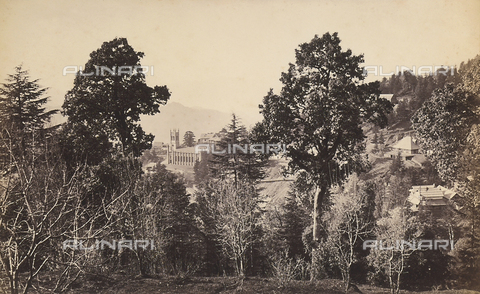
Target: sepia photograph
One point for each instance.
(240, 146)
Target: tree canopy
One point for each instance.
(443, 124)
(189, 139)
(104, 107)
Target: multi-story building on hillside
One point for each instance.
(437, 200)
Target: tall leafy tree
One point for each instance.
(104, 106)
(442, 125)
(319, 113)
(447, 126)
(189, 139)
(469, 248)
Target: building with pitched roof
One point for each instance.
(435, 199)
(210, 138)
(406, 146)
(408, 151)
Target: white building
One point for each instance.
(436, 199)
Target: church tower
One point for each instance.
(175, 139)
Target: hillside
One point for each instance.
(275, 187)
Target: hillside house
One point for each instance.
(435, 199)
(406, 147)
(209, 138)
(408, 151)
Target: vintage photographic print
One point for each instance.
(240, 146)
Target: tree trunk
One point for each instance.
(241, 268)
(317, 212)
(14, 285)
(317, 218)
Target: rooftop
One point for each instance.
(406, 144)
(185, 150)
(431, 195)
(387, 96)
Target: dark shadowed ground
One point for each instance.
(123, 285)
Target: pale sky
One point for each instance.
(226, 55)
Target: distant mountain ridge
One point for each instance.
(177, 116)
